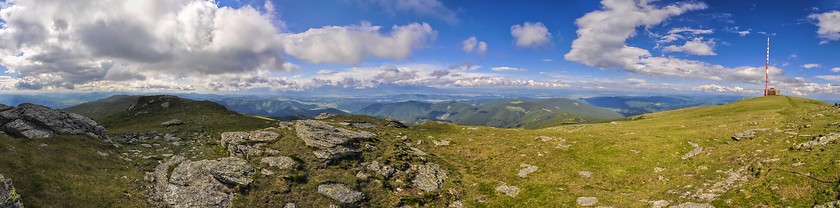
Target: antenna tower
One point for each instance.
(767, 68)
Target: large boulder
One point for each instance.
(340, 193)
(429, 176)
(205, 183)
(36, 121)
(819, 141)
(330, 142)
(9, 197)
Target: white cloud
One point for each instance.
(810, 66)
(725, 89)
(835, 69)
(428, 8)
(508, 69)
(743, 33)
(326, 71)
(696, 46)
(530, 34)
(829, 25)
(351, 44)
(833, 78)
(64, 44)
(548, 60)
(472, 44)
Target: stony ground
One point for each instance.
(766, 152)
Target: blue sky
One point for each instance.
(715, 46)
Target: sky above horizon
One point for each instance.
(715, 47)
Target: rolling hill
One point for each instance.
(281, 109)
(506, 113)
(105, 107)
(635, 105)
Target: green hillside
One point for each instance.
(103, 108)
(505, 113)
(635, 163)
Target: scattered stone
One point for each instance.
(246, 144)
(733, 179)
(635, 151)
(381, 169)
(545, 138)
(103, 154)
(822, 140)
(693, 205)
(362, 175)
(173, 122)
(281, 162)
(340, 193)
(9, 197)
(205, 183)
(323, 116)
(456, 204)
(331, 142)
(585, 174)
(658, 169)
(363, 125)
(747, 134)
(510, 191)
(832, 204)
(290, 205)
(441, 142)
(36, 121)
(526, 169)
(587, 201)
(418, 152)
(696, 151)
(430, 177)
(165, 105)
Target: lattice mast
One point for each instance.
(767, 69)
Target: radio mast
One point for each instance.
(767, 68)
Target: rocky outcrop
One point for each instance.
(526, 169)
(281, 162)
(340, 193)
(693, 205)
(173, 122)
(205, 183)
(510, 191)
(247, 144)
(747, 134)
(694, 152)
(35, 121)
(9, 197)
(330, 142)
(429, 177)
(822, 140)
(381, 169)
(587, 201)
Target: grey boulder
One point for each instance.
(330, 142)
(36, 121)
(340, 193)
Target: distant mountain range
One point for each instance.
(635, 105)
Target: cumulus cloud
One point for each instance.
(508, 69)
(810, 66)
(326, 71)
(65, 43)
(472, 44)
(697, 46)
(427, 8)
(724, 89)
(835, 69)
(530, 34)
(351, 44)
(829, 25)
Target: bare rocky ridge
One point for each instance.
(36, 121)
(9, 197)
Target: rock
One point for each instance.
(173, 122)
(246, 144)
(381, 169)
(205, 183)
(456, 204)
(510, 191)
(290, 205)
(822, 140)
(658, 169)
(747, 134)
(27, 129)
(693, 205)
(281, 162)
(340, 193)
(659, 204)
(585, 174)
(363, 125)
(330, 142)
(323, 116)
(544, 138)
(430, 177)
(5, 107)
(165, 105)
(34, 121)
(833, 204)
(587, 201)
(441, 142)
(526, 169)
(696, 151)
(362, 175)
(9, 197)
